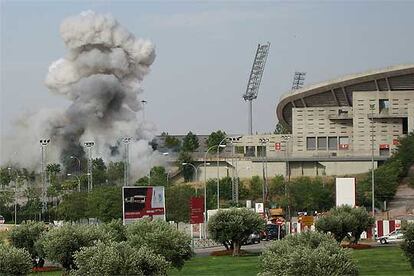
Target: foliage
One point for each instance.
(119, 259)
(190, 142)
(14, 261)
(105, 203)
(177, 200)
(405, 153)
(115, 172)
(281, 129)
(307, 194)
(308, 253)
(256, 188)
(234, 226)
(115, 229)
(99, 172)
(214, 139)
(343, 220)
(59, 244)
(408, 243)
(172, 142)
(188, 171)
(73, 206)
(26, 235)
(158, 178)
(162, 238)
(5, 177)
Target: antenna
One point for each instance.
(298, 80)
(255, 79)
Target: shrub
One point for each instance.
(162, 238)
(14, 261)
(408, 243)
(115, 230)
(59, 244)
(234, 225)
(309, 253)
(26, 235)
(118, 259)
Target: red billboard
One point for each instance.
(196, 210)
(141, 202)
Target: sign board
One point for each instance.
(280, 221)
(197, 210)
(345, 191)
(277, 146)
(307, 220)
(143, 202)
(259, 207)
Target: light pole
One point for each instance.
(372, 108)
(218, 170)
(79, 184)
(43, 144)
(126, 142)
(89, 145)
(287, 173)
(195, 170)
(264, 142)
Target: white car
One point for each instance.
(394, 236)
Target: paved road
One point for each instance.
(252, 248)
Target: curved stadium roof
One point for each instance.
(339, 92)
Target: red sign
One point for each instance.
(141, 202)
(280, 221)
(395, 142)
(384, 146)
(197, 210)
(343, 146)
(277, 146)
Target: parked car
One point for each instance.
(394, 236)
(253, 238)
(271, 232)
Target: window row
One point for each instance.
(327, 143)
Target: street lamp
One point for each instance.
(287, 173)
(264, 142)
(218, 170)
(89, 146)
(43, 144)
(372, 108)
(126, 142)
(144, 102)
(79, 184)
(195, 170)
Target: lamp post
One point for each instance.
(218, 170)
(264, 142)
(15, 194)
(372, 108)
(79, 184)
(126, 142)
(79, 162)
(195, 170)
(43, 145)
(89, 146)
(287, 173)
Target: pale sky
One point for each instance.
(205, 51)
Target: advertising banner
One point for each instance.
(143, 202)
(345, 191)
(197, 210)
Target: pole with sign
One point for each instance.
(279, 223)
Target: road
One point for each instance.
(251, 248)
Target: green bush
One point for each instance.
(14, 261)
(310, 254)
(115, 230)
(408, 243)
(26, 235)
(162, 238)
(118, 259)
(59, 244)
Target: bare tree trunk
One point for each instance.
(236, 248)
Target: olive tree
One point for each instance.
(26, 235)
(162, 238)
(408, 243)
(14, 261)
(115, 258)
(308, 253)
(234, 225)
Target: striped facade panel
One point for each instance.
(405, 82)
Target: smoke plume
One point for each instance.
(101, 75)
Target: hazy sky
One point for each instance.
(205, 51)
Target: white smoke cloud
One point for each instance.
(101, 75)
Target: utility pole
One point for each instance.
(43, 145)
(89, 146)
(126, 142)
(372, 108)
(264, 142)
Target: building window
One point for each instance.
(250, 151)
(405, 125)
(311, 143)
(261, 151)
(239, 149)
(321, 143)
(384, 105)
(343, 142)
(332, 143)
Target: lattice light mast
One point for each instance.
(298, 80)
(89, 146)
(126, 142)
(43, 144)
(255, 79)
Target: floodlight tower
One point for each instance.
(89, 146)
(43, 144)
(255, 79)
(298, 80)
(126, 141)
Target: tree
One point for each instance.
(5, 177)
(308, 253)
(73, 206)
(234, 226)
(105, 203)
(115, 258)
(190, 142)
(408, 243)
(343, 220)
(99, 172)
(172, 143)
(188, 171)
(14, 261)
(26, 235)
(256, 187)
(177, 200)
(215, 138)
(162, 238)
(115, 172)
(281, 129)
